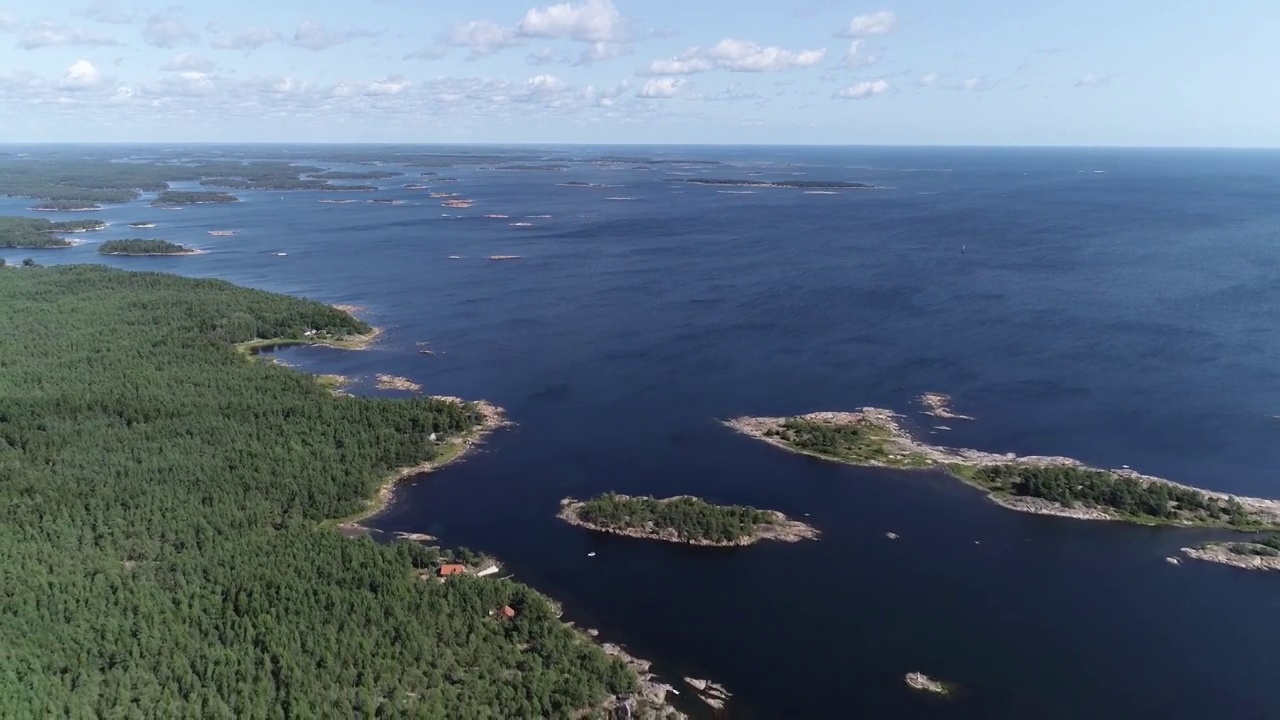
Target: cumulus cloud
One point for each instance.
(661, 88)
(598, 23)
(482, 37)
(49, 34)
(972, 84)
(8, 21)
(247, 40)
(928, 79)
(736, 56)
(876, 23)
(316, 37)
(166, 31)
(544, 84)
(592, 21)
(863, 90)
(189, 62)
(82, 75)
(388, 86)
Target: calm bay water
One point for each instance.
(1114, 306)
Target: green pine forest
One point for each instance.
(693, 519)
(140, 246)
(164, 550)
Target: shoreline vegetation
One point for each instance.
(139, 247)
(170, 484)
(1060, 486)
(682, 519)
(1258, 554)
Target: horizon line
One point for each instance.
(950, 146)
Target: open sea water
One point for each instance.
(1117, 306)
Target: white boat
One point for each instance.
(591, 554)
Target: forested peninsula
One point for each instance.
(138, 246)
(165, 549)
(1035, 484)
(36, 233)
(682, 519)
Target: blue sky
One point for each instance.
(981, 72)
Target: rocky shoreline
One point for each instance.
(1222, 554)
(939, 406)
(781, 529)
(903, 451)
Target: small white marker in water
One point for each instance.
(281, 254)
(591, 554)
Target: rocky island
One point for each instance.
(924, 683)
(799, 184)
(1035, 484)
(682, 519)
(1260, 554)
(141, 247)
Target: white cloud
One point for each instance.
(165, 31)
(600, 51)
(106, 11)
(864, 90)
(316, 37)
(388, 86)
(48, 34)
(972, 84)
(82, 75)
(542, 56)
(736, 56)
(1094, 81)
(430, 52)
(189, 62)
(856, 57)
(876, 23)
(666, 87)
(247, 40)
(929, 79)
(482, 37)
(544, 84)
(8, 21)
(592, 21)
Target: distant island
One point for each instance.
(141, 225)
(802, 184)
(1043, 485)
(38, 233)
(281, 184)
(349, 175)
(138, 246)
(193, 197)
(682, 519)
(1260, 554)
(70, 204)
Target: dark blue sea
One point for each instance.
(1117, 306)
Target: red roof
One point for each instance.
(452, 569)
(508, 611)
